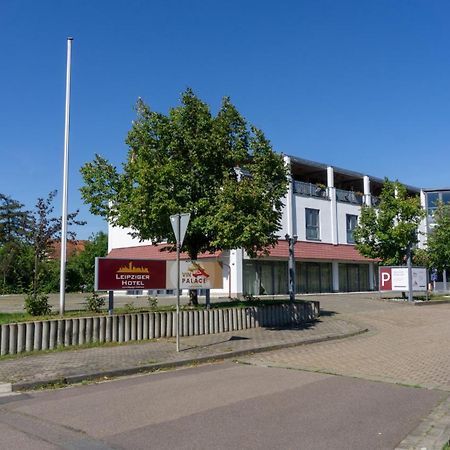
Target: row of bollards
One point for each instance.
(51, 334)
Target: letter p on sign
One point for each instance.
(385, 279)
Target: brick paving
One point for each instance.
(73, 365)
(405, 344)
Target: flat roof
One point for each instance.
(347, 172)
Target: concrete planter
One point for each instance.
(50, 334)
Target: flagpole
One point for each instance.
(62, 279)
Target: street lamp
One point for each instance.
(291, 266)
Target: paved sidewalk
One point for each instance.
(76, 365)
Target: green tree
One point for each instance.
(438, 242)
(14, 221)
(386, 231)
(218, 168)
(45, 229)
(14, 225)
(81, 267)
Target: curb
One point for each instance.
(30, 385)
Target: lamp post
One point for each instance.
(291, 266)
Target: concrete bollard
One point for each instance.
(21, 332)
(185, 324)
(169, 323)
(234, 319)
(121, 326)
(190, 316)
(89, 326)
(215, 324)
(82, 331)
(4, 344)
(174, 324)
(60, 332)
(201, 322)
(163, 325)
(29, 345)
(210, 313)
(220, 320)
(225, 320)
(151, 326)
(139, 331)
(12, 338)
(52, 337)
(238, 318)
(37, 338)
(95, 330)
(75, 331)
(145, 326)
(205, 320)
(108, 329)
(114, 329)
(133, 327)
(195, 322)
(68, 324)
(102, 329)
(157, 325)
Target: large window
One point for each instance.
(353, 277)
(312, 224)
(352, 221)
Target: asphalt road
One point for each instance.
(220, 406)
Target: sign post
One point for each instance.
(179, 225)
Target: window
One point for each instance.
(352, 221)
(312, 224)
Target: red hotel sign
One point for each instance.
(122, 274)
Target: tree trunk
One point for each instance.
(193, 293)
(193, 297)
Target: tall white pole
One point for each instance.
(178, 281)
(62, 280)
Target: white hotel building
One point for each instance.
(321, 208)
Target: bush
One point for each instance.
(95, 303)
(36, 304)
(152, 302)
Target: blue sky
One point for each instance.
(363, 85)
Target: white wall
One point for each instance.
(342, 210)
(301, 203)
(119, 238)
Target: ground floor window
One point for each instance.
(354, 277)
(271, 277)
(265, 277)
(313, 277)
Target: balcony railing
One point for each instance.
(310, 189)
(349, 197)
(375, 200)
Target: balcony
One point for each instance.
(310, 190)
(349, 197)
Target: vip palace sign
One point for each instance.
(195, 275)
(124, 274)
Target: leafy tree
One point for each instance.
(218, 168)
(44, 231)
(438, 242)
(386, 231)
(81, 267)
(14, 223)
(14, 220)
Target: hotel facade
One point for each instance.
(321, 210)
